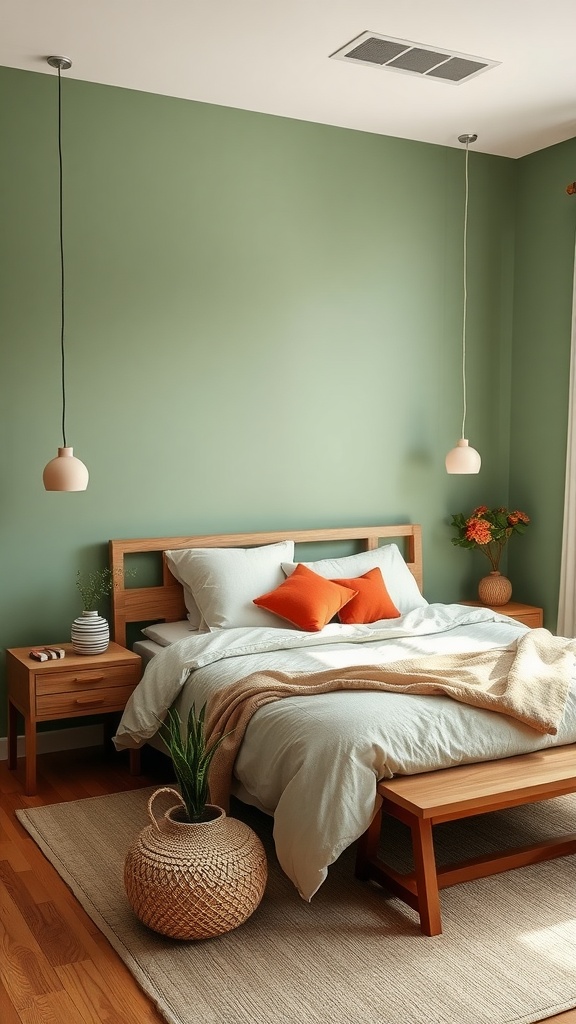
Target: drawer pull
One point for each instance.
(88, 679)
(90, 700)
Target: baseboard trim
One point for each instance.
(59, 739)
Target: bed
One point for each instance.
(314, 761)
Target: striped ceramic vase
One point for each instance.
(90, 634)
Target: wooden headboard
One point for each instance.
(166, 601)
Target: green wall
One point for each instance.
(544, 267)
(546, 228)
(263, 331)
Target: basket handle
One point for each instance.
(163, 789)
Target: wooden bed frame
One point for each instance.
(421, 801)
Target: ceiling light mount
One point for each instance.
(62, 63)
(467, 140)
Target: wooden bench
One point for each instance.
(422, 801)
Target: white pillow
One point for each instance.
(194, 616)
(399, 581)
(224, 581)
(166, 633)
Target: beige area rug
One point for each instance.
(353, 955)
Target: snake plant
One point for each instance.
(191, 758)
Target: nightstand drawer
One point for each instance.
(87, 679)
(83, 702)
(532, 619)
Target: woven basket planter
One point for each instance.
(194, 881)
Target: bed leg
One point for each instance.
(135, 759)
(368, 847)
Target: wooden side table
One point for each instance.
(529, 614)
(71, 687)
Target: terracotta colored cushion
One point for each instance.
(372, 599)
(306, 600)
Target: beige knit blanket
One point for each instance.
(528, 680)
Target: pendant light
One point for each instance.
(463, 458)
(65, 472)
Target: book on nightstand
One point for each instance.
(48, 653)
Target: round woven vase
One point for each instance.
(194, 881)
(494, 589)
(90, 634)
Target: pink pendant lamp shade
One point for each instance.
(463, 458)
(65, 472)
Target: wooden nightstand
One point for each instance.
(529, 614)
(71, 687)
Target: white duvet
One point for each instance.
(313, 761)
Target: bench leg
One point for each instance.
(426, 877)
(422, 893)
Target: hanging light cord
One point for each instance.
(465, 265)
(62, 306)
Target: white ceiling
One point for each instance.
(273, 56)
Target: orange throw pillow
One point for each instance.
(372, 601)
(306, 599)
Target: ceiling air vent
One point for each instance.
(376, 51)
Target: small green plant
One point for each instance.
(191, 758)
(99, 583)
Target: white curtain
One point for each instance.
(567, 600)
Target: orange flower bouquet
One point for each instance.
(488, 530)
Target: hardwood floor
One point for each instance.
(56, 967)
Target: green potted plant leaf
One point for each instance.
(191, 758)
(95, 584)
